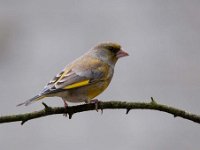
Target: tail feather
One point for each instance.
(35, 98)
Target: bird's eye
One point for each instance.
(114, 50)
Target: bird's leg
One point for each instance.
(65, 105)
(96, 102)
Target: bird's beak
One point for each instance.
(121, 53)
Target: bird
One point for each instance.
(84, 78)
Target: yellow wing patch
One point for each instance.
(75, 85)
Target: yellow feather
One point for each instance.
(75, 85)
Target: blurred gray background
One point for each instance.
(38, 38)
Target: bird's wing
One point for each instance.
(78, 75)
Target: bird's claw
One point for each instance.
(96, 103)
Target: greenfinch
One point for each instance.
(84, 78)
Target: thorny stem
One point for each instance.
(71, 110)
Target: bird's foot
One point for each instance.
(65, 105)
(97, 102)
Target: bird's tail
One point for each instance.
(35, 98)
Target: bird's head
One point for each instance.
(109, 52)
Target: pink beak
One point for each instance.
(121, 53)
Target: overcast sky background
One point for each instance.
(38, 38)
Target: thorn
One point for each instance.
(127, 110)
(153, 101)
(70, 115)
(45, 105)
(22, 123)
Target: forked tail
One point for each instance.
(28, 102)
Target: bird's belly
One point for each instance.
(85, 93)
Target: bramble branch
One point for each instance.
(153, 105)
